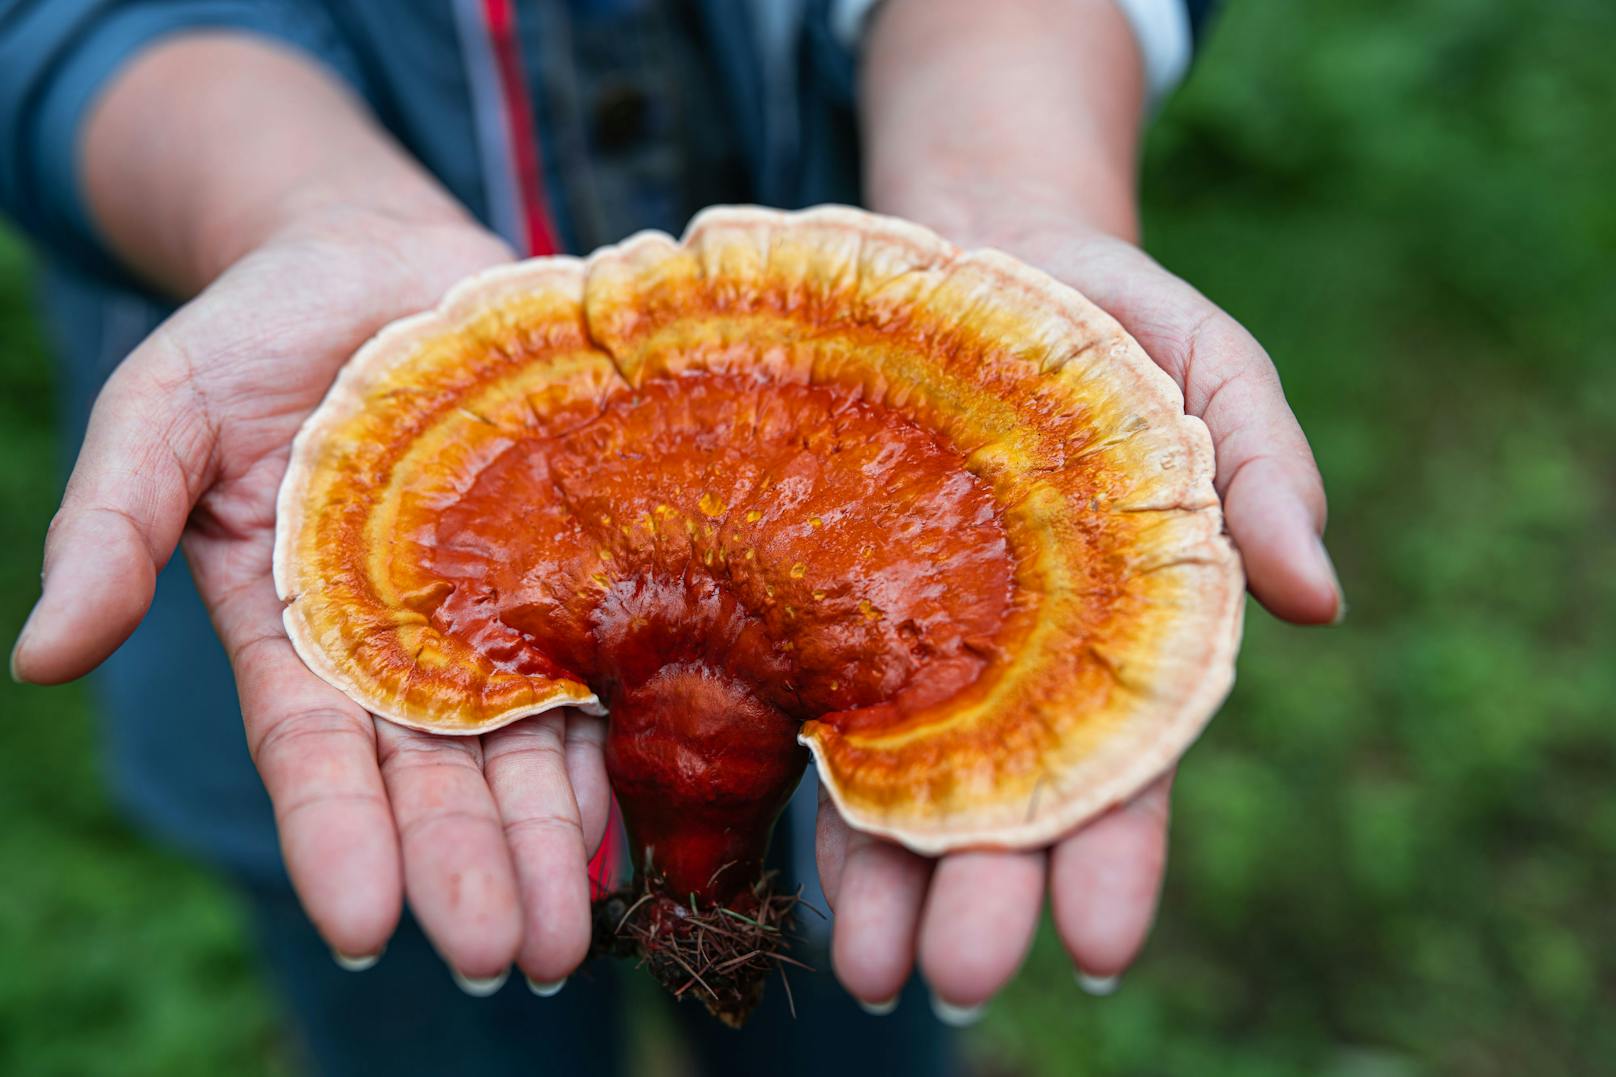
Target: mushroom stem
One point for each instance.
(702, 768)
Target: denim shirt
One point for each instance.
(643, 112)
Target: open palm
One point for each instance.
(968, 918)
(488, 837)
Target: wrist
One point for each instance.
(992, 120)
(1016, 213)
(403, 229)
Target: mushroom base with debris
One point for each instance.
(723, 955)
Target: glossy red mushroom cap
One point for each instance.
(824, 468)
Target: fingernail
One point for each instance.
(480, 988)
(16, 648)
(1335, 581)
(956, 1016)
(1098, 986)
(878, 1009)
(545, 990)
(355, 962)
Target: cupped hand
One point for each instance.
(969, 918)
(489, 836)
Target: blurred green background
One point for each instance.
(1395, 851)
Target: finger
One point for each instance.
(1273, 498)
(527, 771)
(978, 923)
(1105, 879)
(878, 900)
(457, 870)
(316, 753)
(830, 846)
(145, 459)
(586, 773)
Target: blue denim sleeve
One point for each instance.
(55, 58)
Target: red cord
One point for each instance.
(541, 234)
(541, 239)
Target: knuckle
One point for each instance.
(308, 731)
(409, 750)
(540, 757)
(290, 811)
(543, 825)
(420, 827)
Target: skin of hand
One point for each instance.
(298, 243)
(1015, 126)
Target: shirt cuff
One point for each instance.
(847, 19)
(1161, 27)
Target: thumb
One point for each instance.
(143, 464)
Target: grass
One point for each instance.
(1395, 851)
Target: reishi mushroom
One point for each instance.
(800, 482)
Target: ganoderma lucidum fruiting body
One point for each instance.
(811, 482)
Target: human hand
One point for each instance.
(969, 917)
(487, 836)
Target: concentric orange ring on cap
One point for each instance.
(936, 506)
